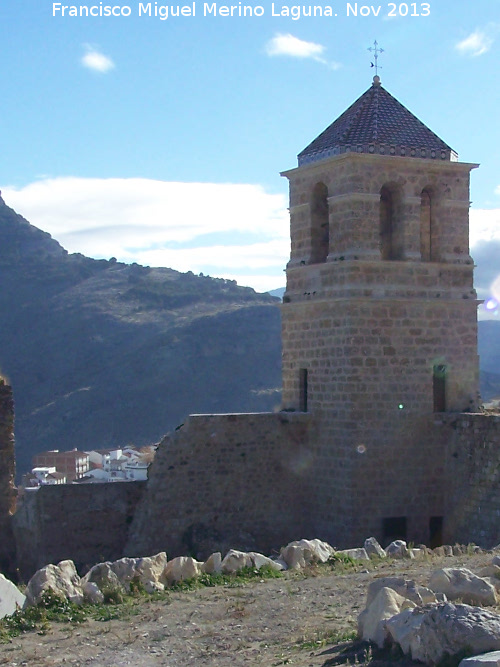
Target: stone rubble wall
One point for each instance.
(472, 480)
(238, 481)
(85, 523)
(7, 471)
(254, 482)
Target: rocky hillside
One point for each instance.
(100, 353)
(489, 359)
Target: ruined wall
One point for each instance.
(242, 481)
(86, 523)
(472, 479)
(7, 470)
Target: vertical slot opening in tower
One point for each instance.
(303, 390)
(439, 387)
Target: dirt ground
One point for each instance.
(300, 620)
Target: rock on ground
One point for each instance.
(433, 632)
(462, 584)
(304, 552)
(485, 660)
(61, 579)
(11, 597)
(386, 604)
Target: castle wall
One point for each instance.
(7, 471)
(87, 523)
(228, 481)
(472, 479)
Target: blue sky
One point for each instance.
(161, 141)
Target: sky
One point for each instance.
(159, 138)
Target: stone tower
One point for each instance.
(379, 317)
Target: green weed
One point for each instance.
(321, 638)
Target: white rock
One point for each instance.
(403, 629)
(259, 561)
(397, 549)
(491, 659)
(125, 570)
(386, 604)
(295, 557)
(407, 588)
(153, 587)
(312, 551)
(213, 563)
(462, 584)
(358, 554)
(62, 579)
(281, 562)
(92, 592)
(449, 629)
(236, 560)
(373, 548)
(102, 575)
(11, 597)
(150, 571)
(181, 568)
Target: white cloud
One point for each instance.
(236, 231)
(484, 225)
(97, 61)
(485, 250)
(477, 43)
(289, 45)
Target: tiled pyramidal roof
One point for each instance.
(377, 123)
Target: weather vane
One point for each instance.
(374, 49)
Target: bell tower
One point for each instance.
(379, 316)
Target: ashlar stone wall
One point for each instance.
(367, 331)
(354, 182)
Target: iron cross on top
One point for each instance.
(376, 51)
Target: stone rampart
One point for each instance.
(7, 470)
(472, 479)
(86, 523)
(239, 481)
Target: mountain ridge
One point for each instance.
(101, 353)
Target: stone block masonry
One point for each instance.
(241, 481)
(472, 479)
(7, 470)
(86, 523)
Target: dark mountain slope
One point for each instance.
(489, 358)
(101, 353)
